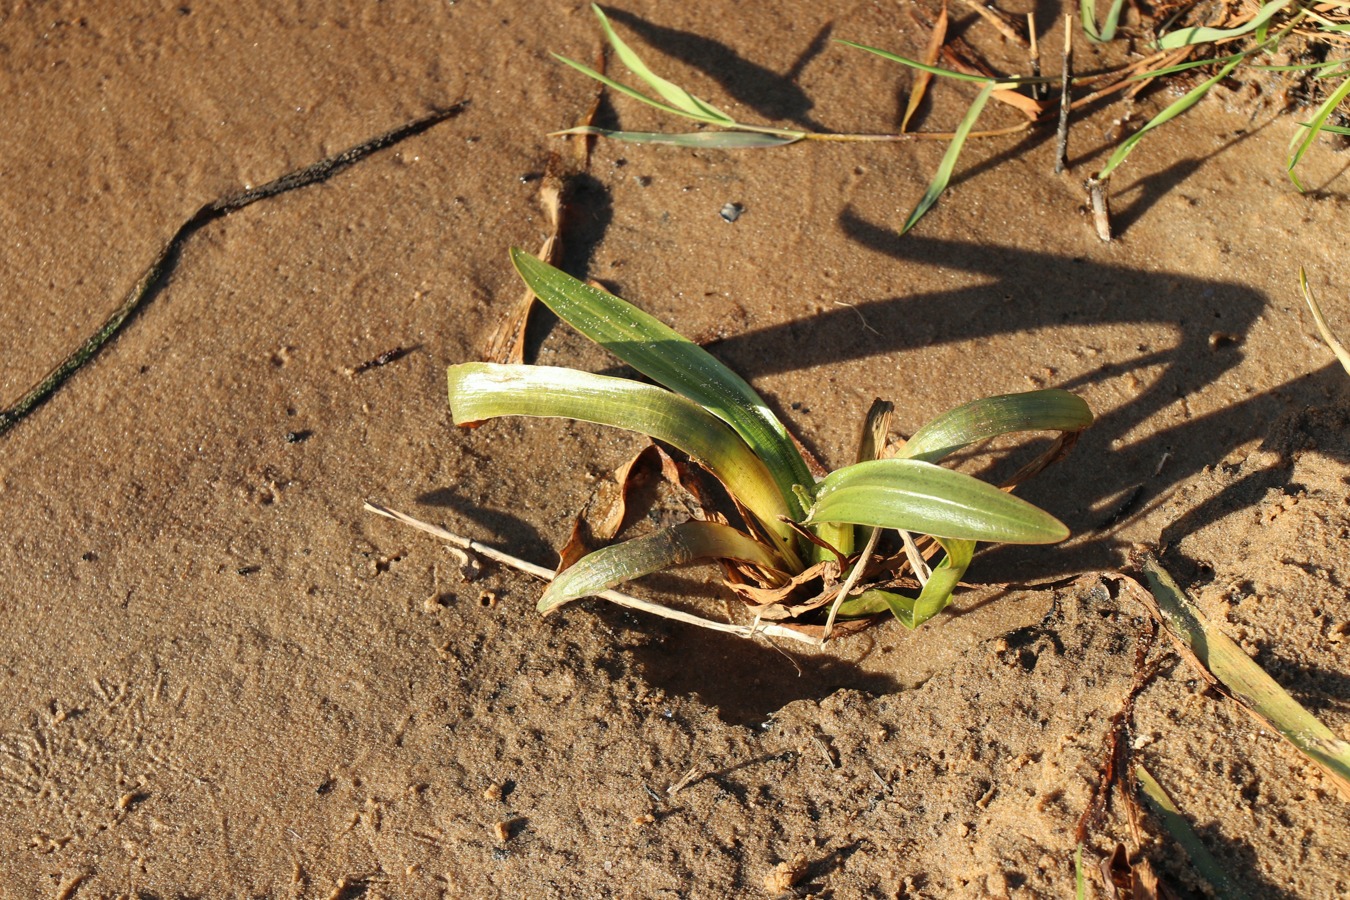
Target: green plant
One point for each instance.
(794, 551)
(728, 134)
(1260, 33)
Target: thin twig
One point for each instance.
(1066, 77)
(544, 574)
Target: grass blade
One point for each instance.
(480, 391)
(1187, 36)
(1190, 99)
(665, 356)
(1315, 126)
(1047, 410)
(1088, 13)
(632, 92)
(609, 567)
(922, 67)
(720, 140)
(1327, 335)
(1215, 653)
(917, 496)
(1205, 863)
(672, 93)
(948, 164)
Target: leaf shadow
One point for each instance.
(1055, 292)
(770, 94)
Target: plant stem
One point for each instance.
(544, 574)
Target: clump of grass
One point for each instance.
(803, 548)
(724, 132)
(1240, 43)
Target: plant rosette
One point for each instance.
(805, 551)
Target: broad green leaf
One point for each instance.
(672, 93)
(948, 164)
(1187, 36)
(668, 358)
(1317, 124)
(1190, 99)
(933, 599)
(1088, 13)
(718, 140)
(611, 566)
(1047, 410)
(916, 496)
(480, 391)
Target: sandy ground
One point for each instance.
(219, 677)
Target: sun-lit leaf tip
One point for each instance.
(1044, 410)
(916, 496)
(683, 102)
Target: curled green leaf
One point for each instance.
(611, 566)
(480, 391)
(1047, 410)
(670, 359)
(916, 496)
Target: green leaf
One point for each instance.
(948, 164)
(668, 358)
(1187, 36)
(718, 140)
(1219, 875)
(933, 599)
(1248, 683)
(1047, 410)
(916, 496)
(672, 93)
(609, 567)
(1190, 99)
(480, 391)
(1317, 125)
(1088, 13)
(1191, 64)
(923, 67)
(632, 92)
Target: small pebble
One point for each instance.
(731, 212)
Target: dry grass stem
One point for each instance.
(545, 574)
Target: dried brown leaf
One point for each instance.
(921, 78)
